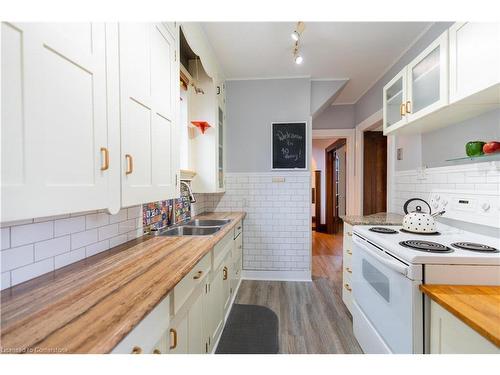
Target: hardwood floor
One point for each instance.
(312, 316)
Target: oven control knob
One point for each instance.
(437, 197)
(444, 202)
(485, 206)
(435, 205)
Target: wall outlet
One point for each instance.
(278, 179)
(399, 154)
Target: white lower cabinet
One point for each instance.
(449, 335)
(347, 267)
(191, 318)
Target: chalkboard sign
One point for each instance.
(289, 145)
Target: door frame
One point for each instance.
(349, 135)
(331, 191)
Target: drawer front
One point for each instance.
(186, 286)
(347, 290)
(222, 248)
(238, 229)
(148, 332)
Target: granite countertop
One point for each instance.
(477, 306)
(380, 218)
(91, 305)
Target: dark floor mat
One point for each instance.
(250, 329)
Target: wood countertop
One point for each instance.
(477, 306)
(91, 305)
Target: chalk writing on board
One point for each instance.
(289, 145)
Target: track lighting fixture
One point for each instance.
(296, 34)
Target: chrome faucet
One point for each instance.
(192, 199)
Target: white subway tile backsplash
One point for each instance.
(85, 238)
(17, 257)
(70, 225)
(107, 231)
(29, 233)
(5, 234)
(31, 271)
(97, 220)
(468, 177)
(97, 248)
(51, 248)
(68, 258)
(43, 244)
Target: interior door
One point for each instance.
(54, 123)
(149, 90)
(374, 172)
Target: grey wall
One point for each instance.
(251, 107)
(335, 117)
(449, 142)
(323, 93)
(412, 152)
(371, 101)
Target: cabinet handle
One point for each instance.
(240, 247)
(349, 252)
(198, 275)
(130, 164)
(224, 272)
(408, 107)
(402, 109)
(105, 158)
(174, 333)
(239, 228)
(136, 350)
(348, 269)
(156, 351)
(348, 287)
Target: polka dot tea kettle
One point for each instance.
(419, 220)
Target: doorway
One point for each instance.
(335, 156)
(374, 172)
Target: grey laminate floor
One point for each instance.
(313, 318)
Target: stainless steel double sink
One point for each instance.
(197, 227)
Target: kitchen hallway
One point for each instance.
(312, 316)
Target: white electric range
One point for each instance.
(390, 313)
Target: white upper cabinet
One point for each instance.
(428, 80)
(474, 59)
(149, 96)
(394, 102)
(457, 77)
(55, 154)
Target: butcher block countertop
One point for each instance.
(91, 305)
(380, 218)
(477, 306)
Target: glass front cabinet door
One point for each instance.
(427, 77)
(394, 102)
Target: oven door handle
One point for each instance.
(394, 265)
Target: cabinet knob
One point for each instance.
(348, 287)
(130, 164)
(349, 234)
(105, 158)
(173, 333)
(348, 269)
(198, 275)
(136, 350)
(156, 351)
(349, 252)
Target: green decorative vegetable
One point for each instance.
(474, 148)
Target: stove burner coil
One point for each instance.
(430, 247)
(383, 230)
(471, 246)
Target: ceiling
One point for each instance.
(360, 51)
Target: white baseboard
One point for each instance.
(303, 275)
